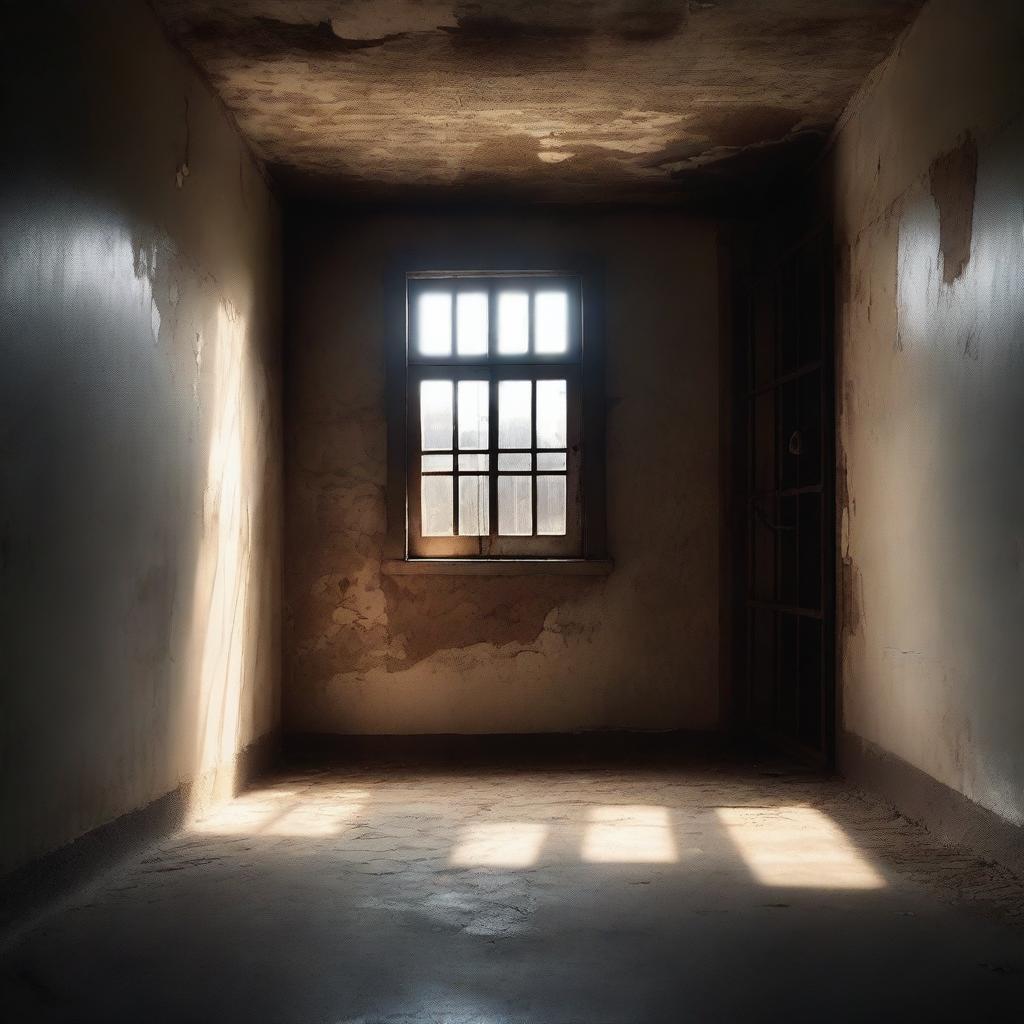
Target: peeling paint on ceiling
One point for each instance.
(547, 99)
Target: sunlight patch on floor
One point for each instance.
(798, 847)
(506, 844)
(283, 812)
(629, 834)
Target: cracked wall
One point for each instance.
(139, 430)
(929, 208)
(367, 653)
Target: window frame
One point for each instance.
(584, 541)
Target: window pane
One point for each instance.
(551, 322)
(513, 323)
(471, 323)
(436, 419)
(434, 320)
(551, 505)
(437, 463)
(515, 462)
(514, 413)
(473, 413)
(550, 414)
(436, 505)
(469, 463)
(515, 511)
(551, 460)
(473, 499)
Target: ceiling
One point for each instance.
(555, 100)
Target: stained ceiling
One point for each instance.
(563, 100)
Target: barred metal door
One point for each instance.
(790, 519)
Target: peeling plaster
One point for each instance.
(930, 374)
(952, 179)
(637, 98)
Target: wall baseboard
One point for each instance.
(530, 750)
(950, 816)
(33, 888)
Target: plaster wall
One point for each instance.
(375, 654)
(928, 172)
(139, 429)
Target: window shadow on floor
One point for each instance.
(562, 895)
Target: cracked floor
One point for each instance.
(714, 893)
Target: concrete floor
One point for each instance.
(712, 894)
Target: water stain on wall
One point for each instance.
(443, 614)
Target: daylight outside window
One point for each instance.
(494, 411)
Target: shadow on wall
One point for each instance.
(138, 530)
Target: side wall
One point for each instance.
(139, 429)
(375, 654)
(928, 174)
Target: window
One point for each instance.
(497, 428)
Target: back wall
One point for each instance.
(638, 649)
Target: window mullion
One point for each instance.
(533, 415)
(492, 424)
(455, 455)
(533, 455)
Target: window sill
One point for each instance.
(496, 566)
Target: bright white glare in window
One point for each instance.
(474, 499)
(434, 316)
(798, 847)
(515, 462)
(471, 323)
(515, 407)
(474, 414)
(551, 414)
(436, 418)
(437, 518)
(513, 323)
(438, 463)
(515, 506)
(504, 844)
(551, 322)
(629, 835)
(551, 460)
(551, 506)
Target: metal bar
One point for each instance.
(785, 492)
(526, 359)
(826, 537)
(455, 457)
(798, 419)
(750, 481)
(785, 378)
(533, 442)
(446, 275)
(527, 451)
(776, 434)
(790, 609)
